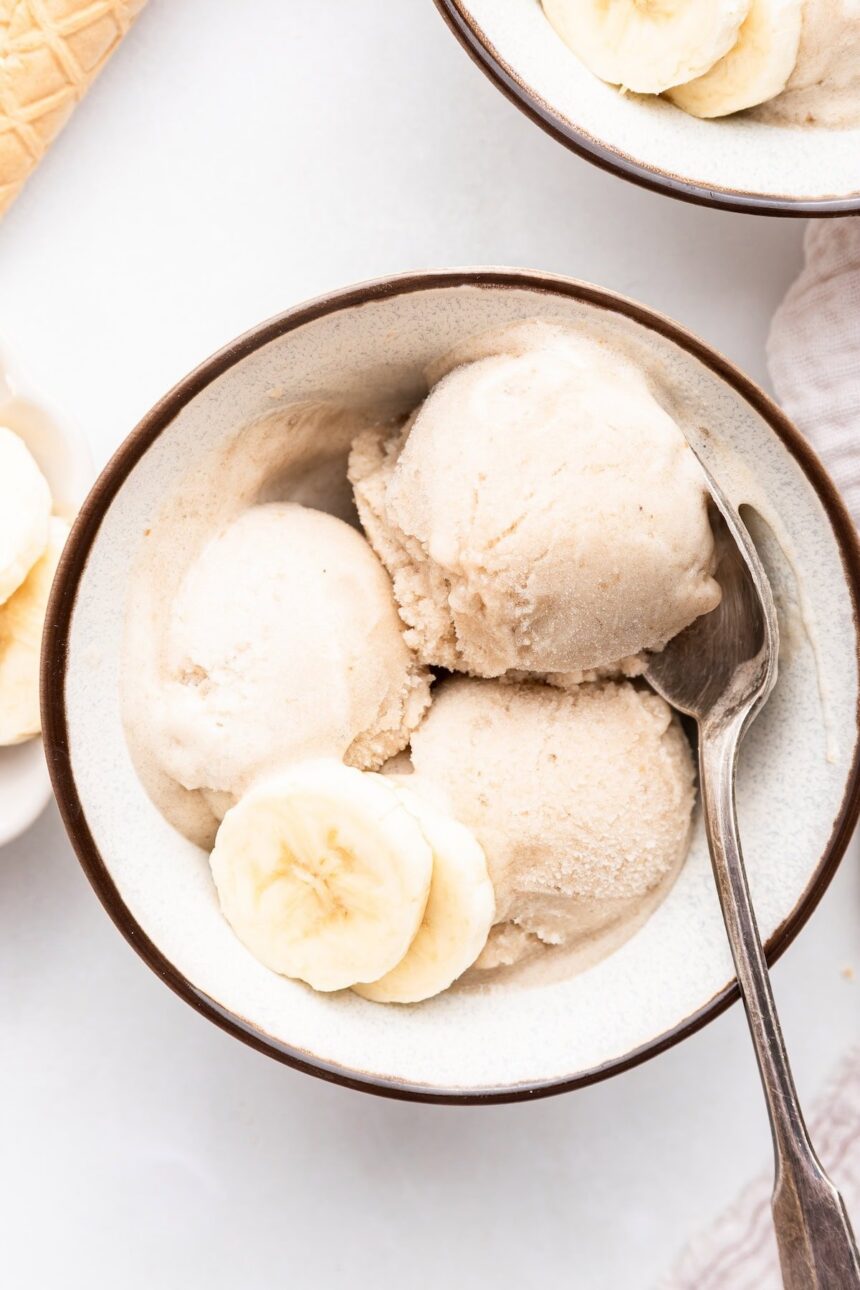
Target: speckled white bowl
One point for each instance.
(64, 459)
(736, 163)
(798, 789)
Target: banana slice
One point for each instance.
(755, 70)
(21, 621)
(323, 874)
(25, 507)
(458, 917)
(648, 45)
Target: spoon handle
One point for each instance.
(817, 1250)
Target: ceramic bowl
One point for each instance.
(737, 163)
(65, 461)
(798, 789)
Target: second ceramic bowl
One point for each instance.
(736, 163)
(370, 347)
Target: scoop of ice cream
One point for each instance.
(283, 643)
(541, 512)
(580, 798)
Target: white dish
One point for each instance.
(64, 459)
(798, 787)
(737, 163)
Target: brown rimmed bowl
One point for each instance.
(369, 346)
(737, 163)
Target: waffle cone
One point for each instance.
(50, 53)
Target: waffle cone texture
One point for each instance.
(50, 53)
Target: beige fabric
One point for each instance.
(50, 52)
(813, 351)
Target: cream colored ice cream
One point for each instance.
(542, 517)
(283, 643)
(541, 511)
(580, 799)
(824, 88)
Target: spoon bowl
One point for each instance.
(725, 660)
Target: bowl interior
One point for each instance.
(733, 158)
(370, 350)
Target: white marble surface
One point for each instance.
(221, 170)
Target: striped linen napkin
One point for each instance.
(813, 351)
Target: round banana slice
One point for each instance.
(25, 507)
(323, 874)
(458, 917)
(648, 45)
(755, 70)
(22, 618)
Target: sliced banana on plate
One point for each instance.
(648, 45)
(22, 618)
(323, 874)
(755, 70)
(458, 917)
(25, 508)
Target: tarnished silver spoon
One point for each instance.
(720, 671)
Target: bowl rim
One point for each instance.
(67, 581)
(523, 96)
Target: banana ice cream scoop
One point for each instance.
(282, 644)
(581, 800)
(541, 512)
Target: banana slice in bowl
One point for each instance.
(324, 874)
(459, 914)
(755, 70)
(648, 45)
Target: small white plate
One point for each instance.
(64, 459)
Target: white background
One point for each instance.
(233, 160)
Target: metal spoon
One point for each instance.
(720, 671)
